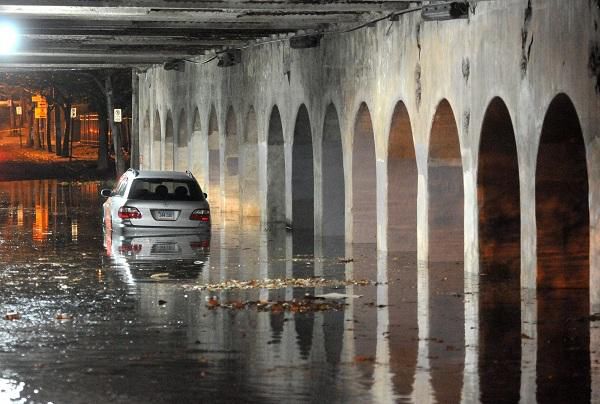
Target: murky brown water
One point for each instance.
(138, 327)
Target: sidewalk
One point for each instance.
(25, 163)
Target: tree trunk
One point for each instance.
(12, 117)
(30, 117)
(115, 129)
(103, 140)
(49, 131)
(37, 140)
(58, 129)
(66, 149)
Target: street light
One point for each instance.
(9, 38)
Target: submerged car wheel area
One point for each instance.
(151, 201)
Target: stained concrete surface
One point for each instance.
(130, 334)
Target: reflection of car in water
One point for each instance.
(158, 257)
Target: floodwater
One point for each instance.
(112, 319)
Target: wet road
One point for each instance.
(96, 319)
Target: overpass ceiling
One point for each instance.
(95, 34)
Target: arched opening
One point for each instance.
(562, 214)
(275, 169)
(500, 256)
(334, 189)
(214, 159)
(302, 176)
(198, 151)
(181, 161)
(446, 273)
(169, 143)
(364, 179)
(232, 183)
(155, 157)
(145, 143)
(249, 179)
(402, 185)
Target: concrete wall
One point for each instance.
(524, 52)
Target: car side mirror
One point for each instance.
(107, 193)
(205, 195)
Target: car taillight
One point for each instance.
(125, 248)
(129, 212)
(200, 214)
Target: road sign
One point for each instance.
(41, 112)
(19, 111)
(36, 98)
(73, 112)
(117, 115)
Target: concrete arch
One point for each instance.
(232, 183)
(182, 141)
(499, 251)
(402, 184)
(364, 183)
(214, 158)
(145, 142)
(563, 248)
(198, 150)
(302, 174)
(276, 205)
(169, 155)
(249, 201)
(446, 246)
(155, 158)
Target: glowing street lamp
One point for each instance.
(9, 38)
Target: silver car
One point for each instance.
(156, 201)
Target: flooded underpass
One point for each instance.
(244, 315)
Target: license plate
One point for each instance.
(165, 248)
(165, 215)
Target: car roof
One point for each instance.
(176, 175)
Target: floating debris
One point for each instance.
(12, 316)
(280, 284)
(64, 317)
(338, 296)
(294, 305)
(161, 275)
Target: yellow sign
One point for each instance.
(42, 104)
(36, 98)
(41, 112)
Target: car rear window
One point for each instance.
(165, 189)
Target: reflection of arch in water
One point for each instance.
(499, 252)
(232, 183)
(364, 181)
(402, 184)
(249, 167)
(562, 215)
(275, 170)
(169, 143)
(446, 278)
(181, 148)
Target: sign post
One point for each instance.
(19, 111)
